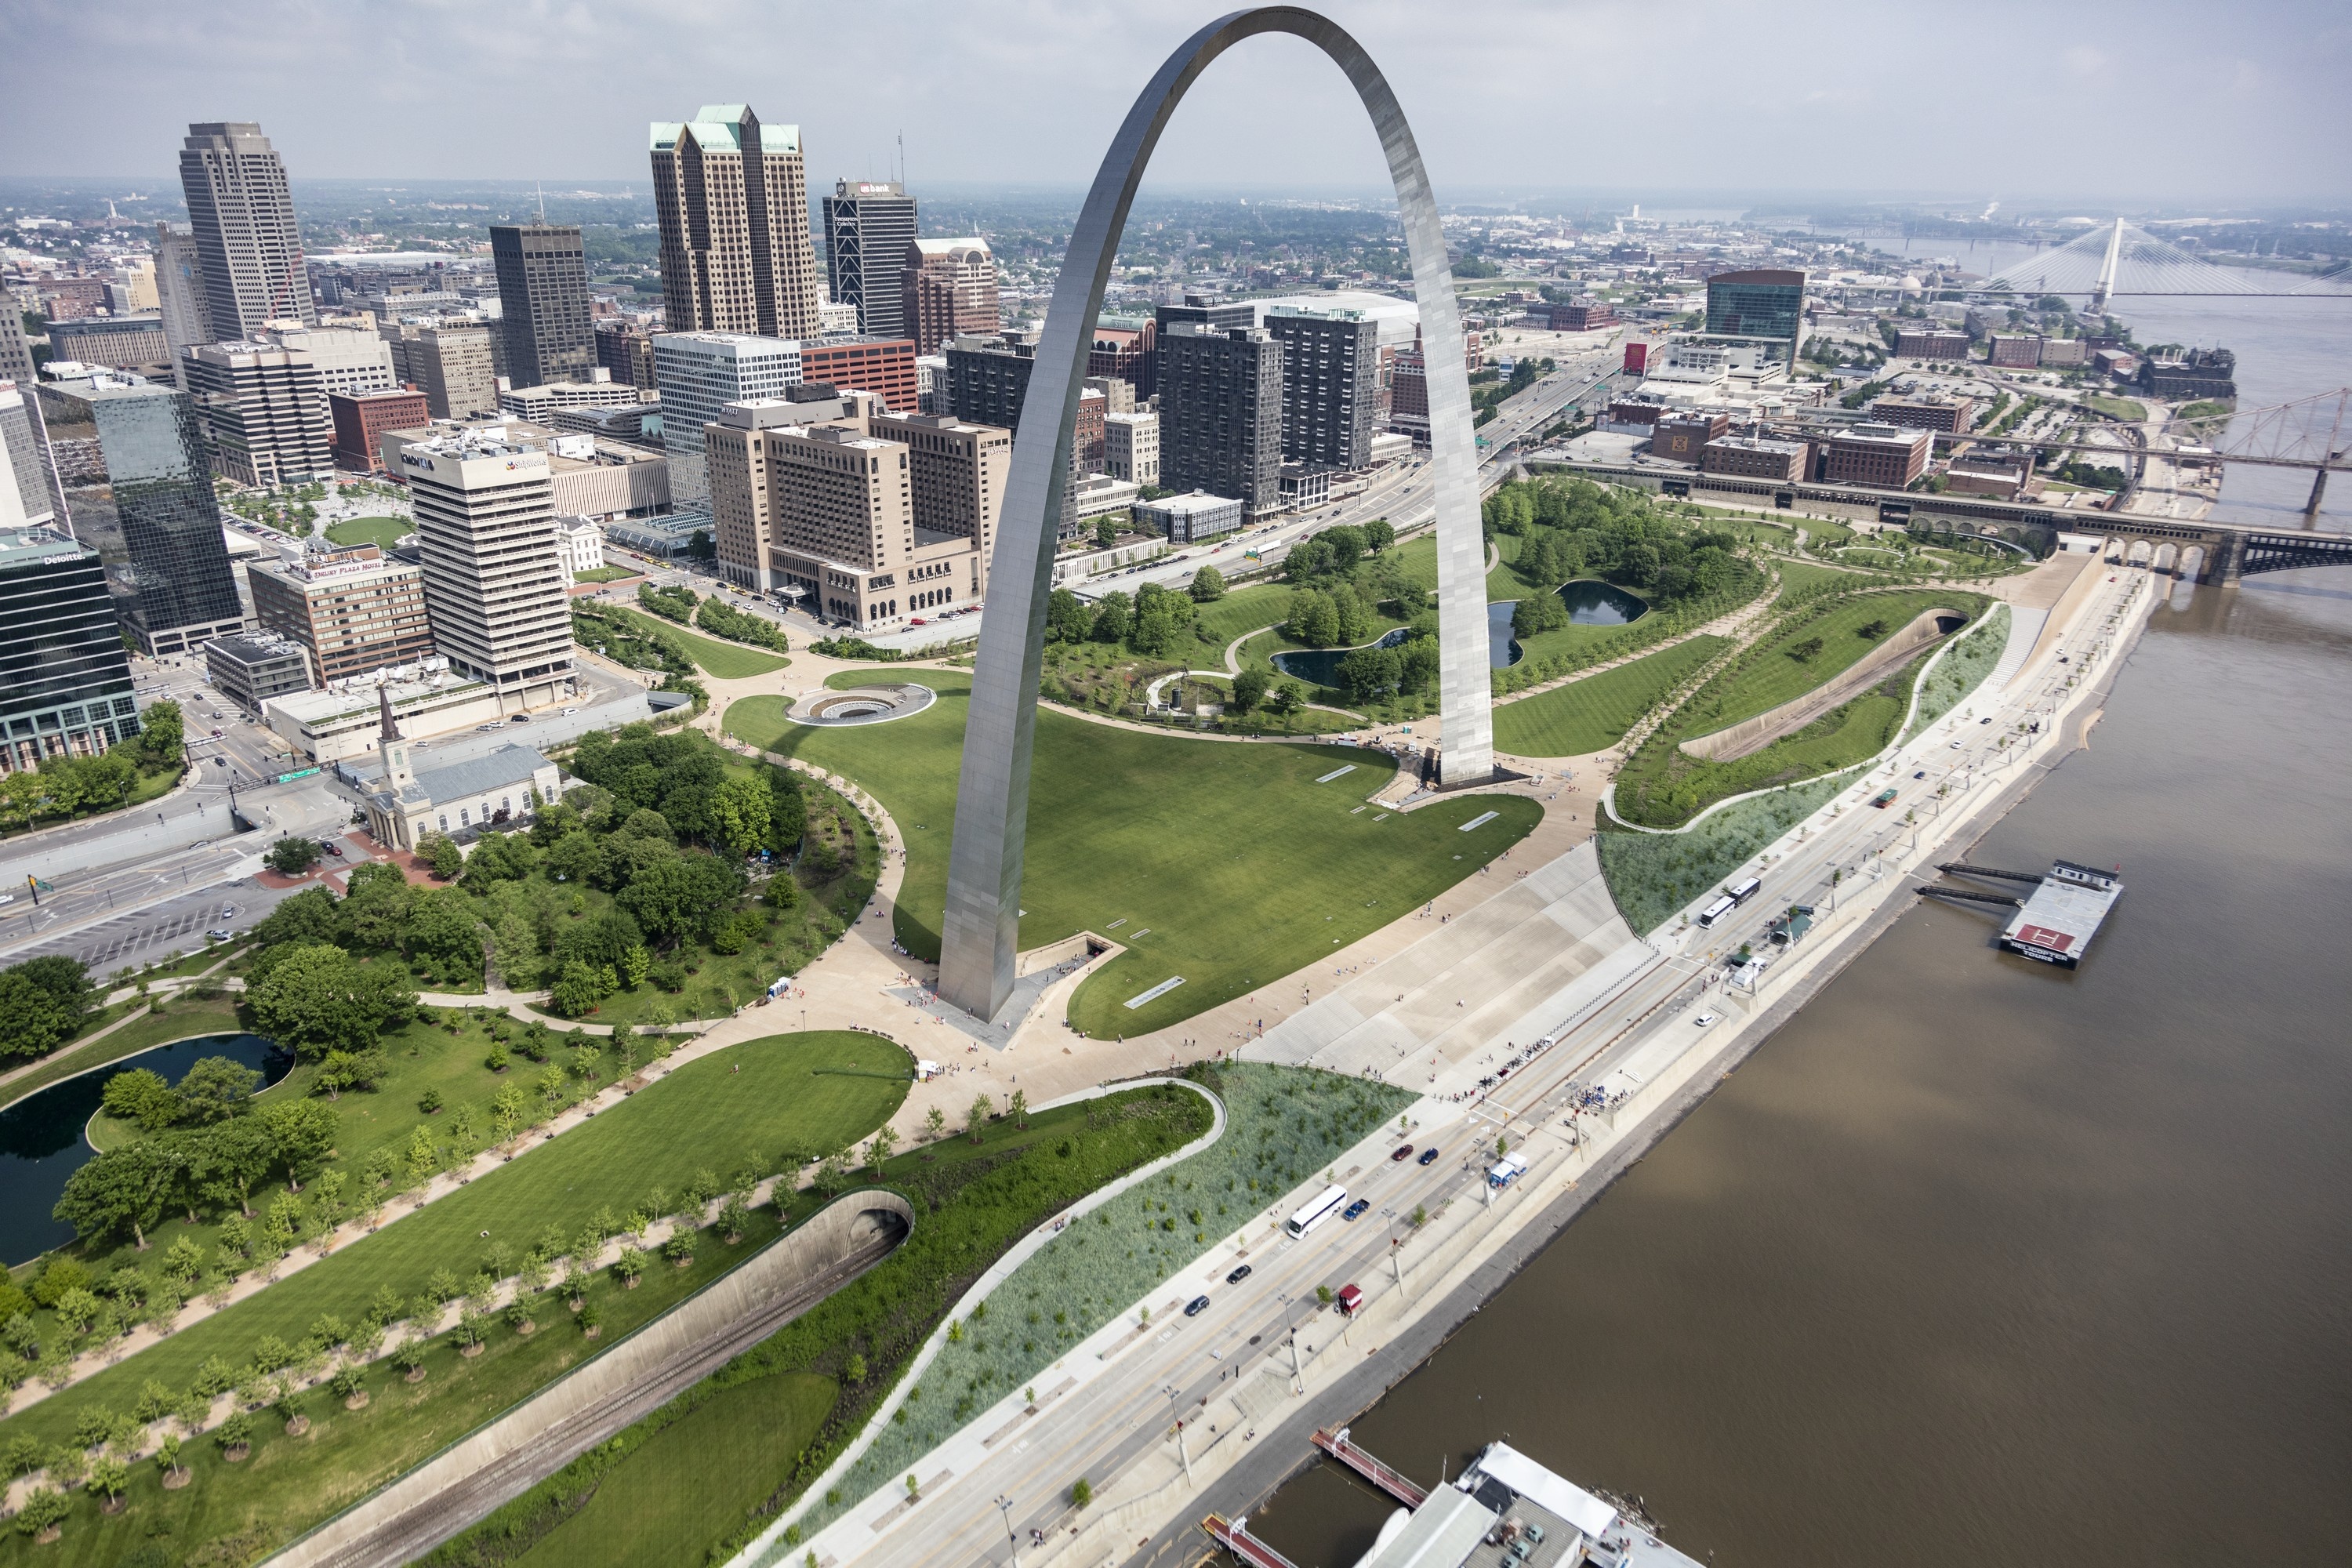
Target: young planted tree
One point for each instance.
(975, 1116)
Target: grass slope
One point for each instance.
(973, 1201)
(1653, 874)
(1588, 715)
(1227, 864)
(697, 1479)
(1770, 676)
(705, 1114)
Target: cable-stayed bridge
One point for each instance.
(2123, 261)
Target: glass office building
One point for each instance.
(176, 589)
(1767, 304)
(64, 683)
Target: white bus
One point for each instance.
(1746, 890)
(1330, 1202)
(1716, 911)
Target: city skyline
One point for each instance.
(1597, 72)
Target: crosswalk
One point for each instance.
(132, 938)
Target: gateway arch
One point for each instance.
(980, 938)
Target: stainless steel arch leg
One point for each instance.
(981, 936)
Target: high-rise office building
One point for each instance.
(543, 302)
(263, 413)
(351, 360)
(946, 289)
(353, 608)
(883, 366)
(1766, 305)
(988, 380)
(175, 589)
(701, 372)
(1330, 381)
(868, 225)
(450, 364)
(732, 199)
(360, 422)
(626, 349)
(24, 483)
(494, 588)
(958, 471)
(250, 252)
(833, 504)
(65, 684)
(180, 294)
(1221, 413)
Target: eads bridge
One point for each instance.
(2222, 551)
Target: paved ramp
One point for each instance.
(1546, 949)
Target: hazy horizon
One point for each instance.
(1608, 101)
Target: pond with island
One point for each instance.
(1590, 603)
(42, 1140)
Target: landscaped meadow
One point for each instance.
(707, 1124)
(1231, 866)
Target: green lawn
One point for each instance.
(1228, 864)
(1588, 715)
(974, 1201)
(1663, 786)
(696, 1479)
(1769, 676)
(2117, 407)
(704, 1115)
(610, 575)
(727, 660)
(378, 530)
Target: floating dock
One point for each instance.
(1505, 1511)
(2055, 922)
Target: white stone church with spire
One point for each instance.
(497, 791)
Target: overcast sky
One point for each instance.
(2141, 101)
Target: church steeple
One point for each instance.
(396, 775)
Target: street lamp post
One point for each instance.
(1004, 1507)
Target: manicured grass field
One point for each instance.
(705, 1115)
(378, 530)
(696, 1479)
(1227, 864)
(1590, 714)
(2117, 407)
(1799, 578)
(1772, 678)
(609, 575)
(727, 660)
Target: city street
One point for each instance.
(1108, 1406)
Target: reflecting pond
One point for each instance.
(41, 1142)
(1320, 666)
(1593, 603)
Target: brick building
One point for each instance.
(1886, 455)
(361, 423)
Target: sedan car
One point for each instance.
(1196, 1305)
(1355, 1210)
(1704, 1020)
(1238, 1275)
(1429, 1156)
(1404, 1151)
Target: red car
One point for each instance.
(1403, 1152)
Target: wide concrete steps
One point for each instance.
(1543, 950)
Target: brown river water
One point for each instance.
(1977, 1261)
